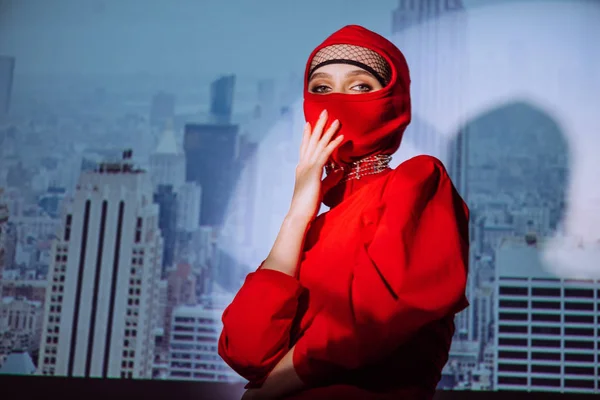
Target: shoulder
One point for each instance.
(423, 180)
(420, 172)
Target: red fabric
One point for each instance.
(381, 277)
(374, 122)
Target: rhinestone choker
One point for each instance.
(366, 166)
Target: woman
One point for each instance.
(358, 302)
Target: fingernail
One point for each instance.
(336, 122)
(323, 113)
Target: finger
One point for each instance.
(316, 133)
(324, 155)
(305, 139)
(326, 138)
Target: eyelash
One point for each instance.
(368, 87)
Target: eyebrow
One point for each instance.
(355, 72)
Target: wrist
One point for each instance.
(296, 220)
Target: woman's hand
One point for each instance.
(281, 381)
(315, 150)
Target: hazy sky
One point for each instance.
(249, 37)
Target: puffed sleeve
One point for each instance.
(256, 325)
(413, 271)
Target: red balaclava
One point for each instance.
(374, 122)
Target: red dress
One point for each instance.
(371, 311)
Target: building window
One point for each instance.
(581, 293)
(579, 344)
(512, 342)
(512, 380)
(545, 369)
(579, 332)
(545, 305)
(518, 355)
(505, 316)
(513, 328)
(545, 343)
(579, 306)
(513, 303)
(545, 382)
(578, 357)
(514, 291)
(579, 383)
(579, 319)
(573, 370)
(545, 330)
(545, 356)
(545, 317)
(512, 367)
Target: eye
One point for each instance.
(362, 87)
(320, 89)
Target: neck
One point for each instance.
(356, 175)
(363, 167)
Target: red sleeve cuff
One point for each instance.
(279, 280)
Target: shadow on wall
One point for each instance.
(515, 169)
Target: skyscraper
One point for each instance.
(221, 98)
(162, 108)
(3, 228)
(211, 152)
(166, 199)
(442, 32)
(167, 163)
(7, 68)
(413, 12)
(193, 346)
(102, 294)
(181, 290)
(189, 199)
(546, 328)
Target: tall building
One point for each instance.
(194, 346)
(102, 297)
(166, 199)
(458, 167)
(442, 31)
(162, 109)
(221, 98)
(20, 325)
(189, 200)
(546, 328)
(464, 321)
(414, 12)
(167, 163)
(3, 233)
(211, 161)
(181, 290)
(167, 167)
(7, 68)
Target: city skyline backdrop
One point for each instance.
(181, 233)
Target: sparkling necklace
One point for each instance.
(366, 166)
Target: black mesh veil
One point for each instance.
(362, 57)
